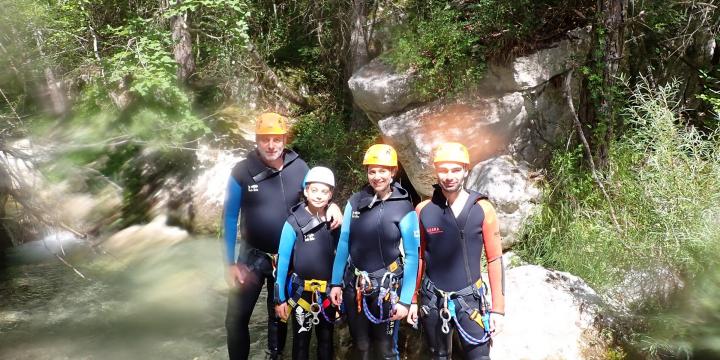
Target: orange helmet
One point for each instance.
(380, 154)
(452, 151)
(270, 123)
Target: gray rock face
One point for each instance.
(549, 315)
(378, 90)
(509, 185)
(518, 112)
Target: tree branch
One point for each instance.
(269, 77)
(588, 153)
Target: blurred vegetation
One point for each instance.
(663, 180)
(448, 44)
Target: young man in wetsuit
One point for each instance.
(455, 226)
(261, 191)
(376, 283)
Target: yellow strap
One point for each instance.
(315, 285)
(476, 317)
(392, 267)
(304, 304)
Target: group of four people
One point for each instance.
(375, 263)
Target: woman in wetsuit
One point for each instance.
(377, 282)
(307, 246)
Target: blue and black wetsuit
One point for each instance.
(451, 250)
(371, 233)
(307, 246)
(265, 196)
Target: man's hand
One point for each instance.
(238, 274)
(334, 215)
(282, 311)
(401, 311)
(497, 323)
(336, 296)
(412, 316)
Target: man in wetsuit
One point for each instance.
(266, 185)
(455, 226)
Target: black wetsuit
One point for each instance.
(452, 248)
(265, 196)
(371, 234)
(307, 246)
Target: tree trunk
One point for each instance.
(613, 19)
(357, 55)
(271, 79)
(182, 48)
(59, 105)
(597, 98)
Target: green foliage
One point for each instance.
(448, 44)
(322, 138)
(663, 179)
(446, 56)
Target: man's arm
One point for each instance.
(231, 213)
(493, 253)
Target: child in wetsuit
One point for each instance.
(304, 268)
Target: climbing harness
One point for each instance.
(385, 282)
(318, 303)
(452, 300)
(260, 257)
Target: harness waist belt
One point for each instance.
(468, 290)
(378, 274)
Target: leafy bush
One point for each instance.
(448, 44)
(663, 180)
(322, 138)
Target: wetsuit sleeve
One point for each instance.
(493, 252)
(410, 231)
(343, 248)
(231, 213)
(421, 252)
(287, 243)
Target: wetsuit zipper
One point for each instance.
(379, 232)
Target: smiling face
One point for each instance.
(451, 176)
(318, 195)
(380, 177)
(270, 147)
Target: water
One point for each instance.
(168, 303)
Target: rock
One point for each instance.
(209, 187)
(484, 124)
(378, 90)
(519, 111)
(512, 191)
(549, 315)
(530, 71)
(640, 287)
(136, 241)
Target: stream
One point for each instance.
(165, 304)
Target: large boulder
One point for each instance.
(519, 110)
(549, 315)
(511, 187)
(379, 90)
